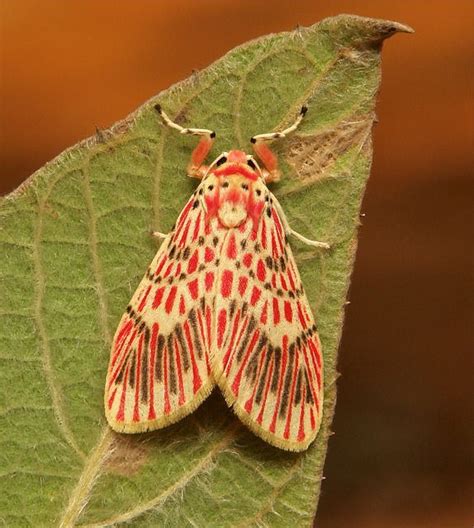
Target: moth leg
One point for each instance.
(307, 241)
(289, 231)
(157, 234)
(195, 169)
(267, 157)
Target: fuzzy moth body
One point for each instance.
(222, 303)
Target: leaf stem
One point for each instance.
(92, 468)
(152, 504)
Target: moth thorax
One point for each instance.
(233, 202)
(232, 214)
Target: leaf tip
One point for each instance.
(387, 28)
(364, 29)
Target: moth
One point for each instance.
(222, 303)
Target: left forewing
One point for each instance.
(159, 369)
(267, 355)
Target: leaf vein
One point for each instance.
(91, 472)
(268, 505)
(180, 484)
(39, 289)
(93, 244)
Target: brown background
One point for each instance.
(402, 454)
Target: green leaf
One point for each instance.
(75, 243)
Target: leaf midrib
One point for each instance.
(203, 463)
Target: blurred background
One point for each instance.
(402, 454)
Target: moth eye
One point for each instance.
(210, 187)
(245, 187)
(221, 160)
(225, 184)
(250, 163)
(259, 192)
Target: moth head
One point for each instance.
(236, 162)
(235, 188)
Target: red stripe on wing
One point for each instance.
(121, 411)
(286, 434)
(138, 367)
(232, 338)
(153, 344)
(197, 382)
(123, 359)
(120, 340)
(166, 394)
(265, 395)
(180, 373)
(301, 433)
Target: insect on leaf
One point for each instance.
(75, 244)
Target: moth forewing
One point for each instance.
(159, 368)
(267, 357)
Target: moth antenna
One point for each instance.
(183, 130)
(276, 135)
(196, 169)
(268, 158)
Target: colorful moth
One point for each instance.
(222, 304)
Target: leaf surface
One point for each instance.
(75, 243)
